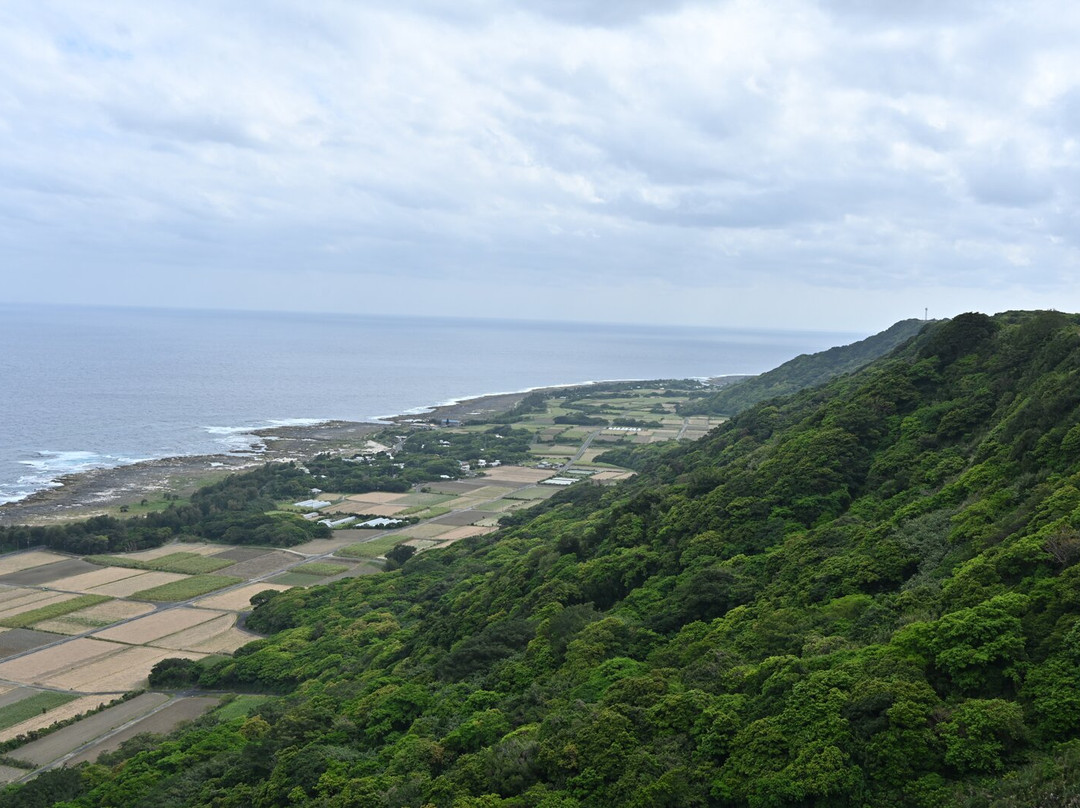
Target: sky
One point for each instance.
(833, 165)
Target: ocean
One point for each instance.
(84, 388)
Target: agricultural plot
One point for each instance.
(187, 588)
(39, 667)
(183, 563)
(466, 532)
(48, 609)
(16, 562)
(127, 587)
(380, 497)
(176, 547)
(33, 703)
(425, 531)
(558, 450)
(47, 573)
(235, 554)
(322, 568)
(373, 508)
(88, 581)
(370, 549)
(218, 635)
(261, 565)
(239, 599)
(153, 627)
(163, 721)
(104, 614)
(20, 640)
(531, 493)
(291, 579)
(68, 739)
(323, 546)
(125, 670)
(426, 500)
(462, 518)
(422, 544)
(81, 704)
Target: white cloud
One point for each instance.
(536, 146)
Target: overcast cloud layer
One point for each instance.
(815, 165)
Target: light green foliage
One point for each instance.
(38, 703)
(182, 563)
(187, 588)
(52, 611)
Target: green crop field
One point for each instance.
(39, 703)
(52, 611)
(182, 563)
(296, 579)
(186, 589)
(371, 549)
(322, 568)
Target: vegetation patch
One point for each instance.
(296, 579)
(322, 568)
(52, 611)
(186, 589)
(371, 549)
(182, 563)
(36, 704)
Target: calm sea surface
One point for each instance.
(83, 388)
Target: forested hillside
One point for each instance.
(863, 595)
(806, 370)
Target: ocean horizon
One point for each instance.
(99, 387)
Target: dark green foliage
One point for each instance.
(802, 372)
(866, 594)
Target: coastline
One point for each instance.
(103, 491)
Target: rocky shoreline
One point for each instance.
(104, 491)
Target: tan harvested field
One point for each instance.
(9, 774)
(209, 633)
(17, 562)
(237, 600)
(464, 533)
(178, 547)
(35, 601)
(516, 474)
(490, 521)
(377, 509)
(161, 722)
(40, 666)
(70, 738)
(195, 632)
(590, 455)
(158, 625)
(100, 615)
(137, 583)
(611, 476)
(382, 497)
(124, 670)
(428, 531)
(61, 713)
(88, 580)
(226, 642)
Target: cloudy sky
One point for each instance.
(834, 165)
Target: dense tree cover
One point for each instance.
(863, 595)
(233, 510)
(806, 370)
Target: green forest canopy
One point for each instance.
(866, 594)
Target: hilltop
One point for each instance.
(862, 594)
(805, 370)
